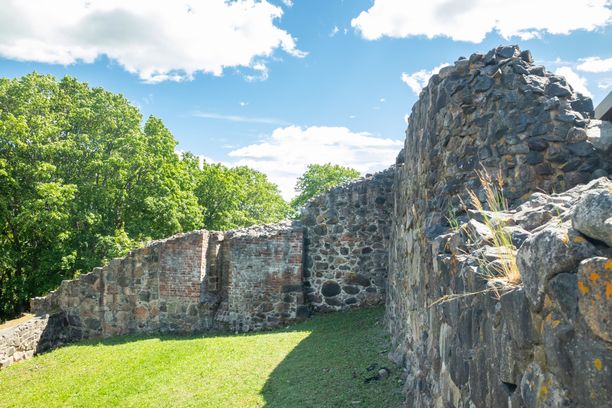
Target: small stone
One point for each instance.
(552, 250)
(383, 373)
(599, 133)
(556, 89)
(534, 158)
(544, 169)
(483, 83)
(575, 135)
(537, 145)
(538, 71)
(582, 104)
(330, 288)
(351, 290)
(582, 148)
(332, 301)
(527, 57)
(592, 215)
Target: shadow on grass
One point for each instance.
(328, 367)
(337, 365)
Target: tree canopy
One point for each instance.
(237, 197)
(83, 180)
(319, 178)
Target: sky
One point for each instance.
(279, 84)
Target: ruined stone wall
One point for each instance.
(155, 288)
(347, 233)
(264, 268)
(34, 335)
(501, 112)
(240, 280)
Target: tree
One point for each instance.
(319, 178)
(81, 181)
(238, 197)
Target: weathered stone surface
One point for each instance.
(240, 280)
(550, 251)
(350, 249)
(34, 335)
(595, 295)
(540, 389)
(599, 133)
(477, 350)
(593, 214)
(330, 288)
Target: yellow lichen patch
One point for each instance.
(608, 290)
(543, 393)
(608, 265)
(552, 322)
(583, 288)
(598, 364)
(565, 238)
(579, 240)
(594, 277)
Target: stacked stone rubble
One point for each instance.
(502, 113)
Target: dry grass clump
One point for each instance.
(501, 274)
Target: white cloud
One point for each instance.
(604, 84)
(284, 155)
(243, 104)
(382, 100)
(595, 64)
(334, 31)
(160, 40)
(576, 81)
(288, 3)
(260, 73)
(418, 80)
(238, 118)
(471, 20)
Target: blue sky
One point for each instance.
(279, 84)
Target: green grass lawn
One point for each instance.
(322, 362)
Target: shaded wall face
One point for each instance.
(265, 272)
(347, 235)
(500, 112)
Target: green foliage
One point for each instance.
(238, 197)
(80, 182)
(319, 178)
(322, 362)
(83, 181)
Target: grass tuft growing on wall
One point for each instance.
(502, 274)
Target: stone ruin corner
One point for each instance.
(387, 239)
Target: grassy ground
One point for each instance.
(322, 362)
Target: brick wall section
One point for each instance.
(182, 266)
(263, 266)
(347, 235)
(138, 293)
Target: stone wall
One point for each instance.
(34, 335)
(347, 232)
(155, 288)
(264, 270)
(499, 112)
(240, 280)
